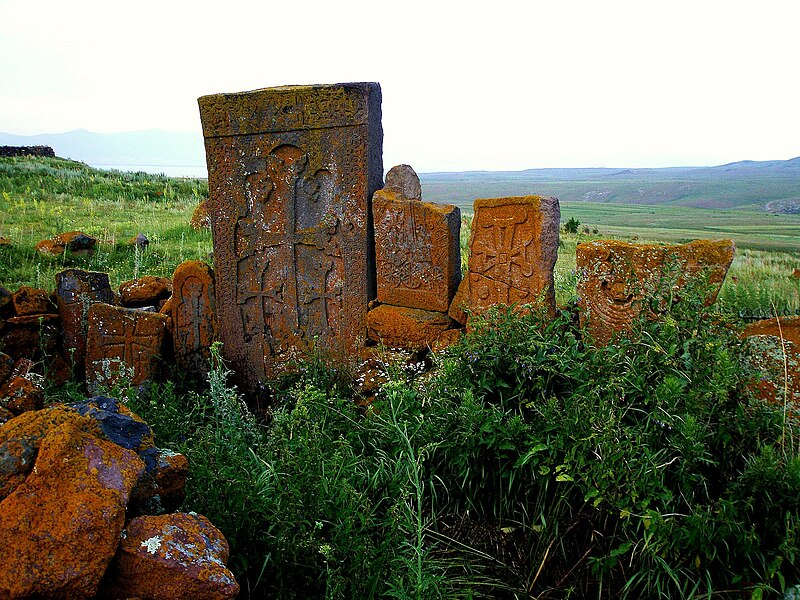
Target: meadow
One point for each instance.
(521, 463)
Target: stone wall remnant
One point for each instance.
(619, 281)
(291, 171)
(514, 247)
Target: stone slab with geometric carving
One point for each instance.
(513, 250)
(417, 252)
(291, 171)
(619, 281)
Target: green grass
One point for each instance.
(41, 197)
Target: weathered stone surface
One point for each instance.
(161, 488)
(460, 303)
(447, 338)
(796, 274)
(19, 395)
(29, 338)
(5, 242)
(403, 181)
(513, 249)
(417, 252)
(408, 328)
(200, 217)
(171, 557)
(291, 172)
(139, 240)
(5, 302)
(123, 337)
(76, 291)
(145, 291)
(619, 281)
(5, 416)
(772, 358)
(76, 242)
(59, 528)
(192, 310)
(21, 436)
(6, 367)
(117, 422)
(31, 301)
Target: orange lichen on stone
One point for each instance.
(161, 489)
(123, 337)
(171, 557)
(59, 529)
(513, 249)
(145, 291)
(772, 350)
(76, 291)
(459, 306)
(408, 328)
(417, 252)
(200, 217)
(19, 395)
(192, 316)
(619, 282)
(76, 242)
(291, 171)
(20, 438)
(29, 301)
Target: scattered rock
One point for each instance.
(408, 328)
(6, 367)
(139, 240)
(171, 557)
(59, 529)
(200, 217)
(161, 488)
(76, 242)
(117, 422)
(145, 291)
(796, 274)
(19, 395)
(5, 243)
(32, 301)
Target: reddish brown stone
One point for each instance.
(408, 328)
(417, 252)
(772, 351)
(20, 439)
(59, 529)
(5, 417)
(161, 488)
(619, 281)
(76, 291)
(50, 247)
(291, 172)
(123, 337)
(140, 240)
(200, 217)
(5, 303)
(6, 367)
(447, 338)
(171, 557)
(76, 242)
(145, 291)
(32, 338)
(513, 249)
(5, 242)
(796, 274)
(459, 306)
(19, 395)
(193, 316)
(31, 301)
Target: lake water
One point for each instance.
(170, 170)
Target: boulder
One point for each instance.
(145, 291)
(407, 328)
(32, 301)
(170, 557)
(161, 488)
(76, 242)
(19, 395)
(60, 528)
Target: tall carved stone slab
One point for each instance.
(619, 281)
(291, 171)
(76, 291)
(193, 316)
(513, 250)
(417, 251)
(772, 359)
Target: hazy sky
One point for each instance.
(466, 85)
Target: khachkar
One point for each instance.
(291, 171)
(513, 250)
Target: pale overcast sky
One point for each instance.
(487, 85)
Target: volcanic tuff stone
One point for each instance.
(171, 557)
(31, 301)
(76, 291)
(403, 181)
(772, 350)
(193, 316)
(291, 171)
(408, 328)
(619, 281)
(145, 291)
(513, 249)
(417, 252)
(59, 529)
(123, 337)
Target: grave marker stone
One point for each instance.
(291, 171)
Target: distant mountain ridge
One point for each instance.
(772, 185)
